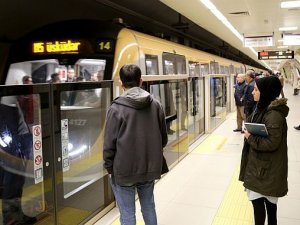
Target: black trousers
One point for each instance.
(260, 206)
(11, 194)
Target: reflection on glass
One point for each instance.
(165, 93)
(151, 64)
(51, 71)
(196, 107)
(181, 65)
(83, 117)
(194, 69)
(22, 197)
(218, 100)
(173, 97)
(204, 69)
(169, 67)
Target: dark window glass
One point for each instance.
(151, 64)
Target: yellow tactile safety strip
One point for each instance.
(235, 208)
(210, 144)
(67, 216)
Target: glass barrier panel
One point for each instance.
(26, 164)
(85, 188)
(165, 93)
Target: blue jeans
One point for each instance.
(125, 197)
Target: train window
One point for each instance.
(238, 70)
(204, 69)
(51, 71)
(180, 64)
(214, 67)
(91, 69)
(151, 64)
(231, 69)
(226, 70)
(222, 69)
(173, 63)
(194, 69)
(168, 63)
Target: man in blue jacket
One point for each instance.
(239, 95)
(249, 102)
(134, 138)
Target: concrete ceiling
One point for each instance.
(261, 18)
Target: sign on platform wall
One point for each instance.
(291, 39)
(260, 41)
(266, 55)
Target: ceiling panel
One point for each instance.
(265, 17)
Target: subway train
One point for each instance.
(65, 182)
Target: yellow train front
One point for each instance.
(74, 67)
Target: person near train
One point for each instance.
(264, 161)
(134, 138)
(239, 95)
(248, 99)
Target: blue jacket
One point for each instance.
(239, 93)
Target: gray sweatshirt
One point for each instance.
(135, 135)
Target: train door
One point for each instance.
(82, 188)
(195, 102)
(218, 100)
(171, 94)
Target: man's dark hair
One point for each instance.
(130, 75)
(25, 79)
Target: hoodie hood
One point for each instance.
(280, 105)
(269, 88)
(135, 97)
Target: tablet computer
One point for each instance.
(257, 129)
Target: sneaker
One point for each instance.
(237, 130)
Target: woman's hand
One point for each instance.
(246, 134)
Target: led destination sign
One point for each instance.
(73, 47)
(265, 55)
(56, 47)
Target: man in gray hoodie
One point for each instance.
(134, 138)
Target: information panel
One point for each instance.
(265, 55)
(262, 41)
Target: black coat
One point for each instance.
(249, 102)
(264, 163)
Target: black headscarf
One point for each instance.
(269, 88)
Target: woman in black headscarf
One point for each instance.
(264, 163)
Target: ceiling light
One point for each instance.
(290, 4)
(222, 18)
(282, 46)
(287, 28)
